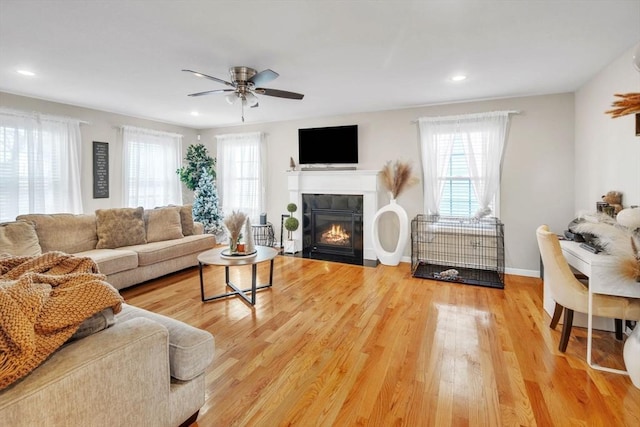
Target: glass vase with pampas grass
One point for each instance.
(234, 223)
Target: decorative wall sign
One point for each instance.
(100, 170)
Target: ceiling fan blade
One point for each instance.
(211, 91)
(215, 79)
(279, 93)
(263, 77)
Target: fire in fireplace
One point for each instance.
(332, 227)
(336, 235)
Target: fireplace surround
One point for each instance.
(362, 183)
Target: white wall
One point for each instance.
(102, 126)
(537, 180)
(607, 150)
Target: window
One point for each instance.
(461, 160)
(241, 160)
(458, 196)
(39, 164)
(151, 159)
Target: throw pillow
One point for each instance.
(186, 218)
(120, 227)
(19, 238)
(163, 224)
(96, 323)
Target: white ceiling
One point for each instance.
(345, 56)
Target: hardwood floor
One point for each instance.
(339, 345)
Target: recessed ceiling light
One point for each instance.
(458, 78)
(26, 73)
(195, 113)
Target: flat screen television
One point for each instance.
(328, 145)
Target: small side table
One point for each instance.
(263, 234)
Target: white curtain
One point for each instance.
(436, 142)
(39, 164)
(241, 174)
(150, 161)
(483, 137)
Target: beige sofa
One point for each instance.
(145, 370)
(130, 245)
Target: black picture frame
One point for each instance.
(100, 170)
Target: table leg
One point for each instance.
(236, 291)
(254, 269)
(590, 339)
(201, 284)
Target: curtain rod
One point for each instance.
(467, 115)
(39, 115)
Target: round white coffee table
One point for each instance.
(215, 257)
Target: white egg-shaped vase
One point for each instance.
(386, 257)
(631, 355)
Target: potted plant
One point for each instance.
(291, 224)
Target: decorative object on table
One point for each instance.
(292, 164)
(234, 223)
(629, 103)
(205, 204)
(249, 245)
(631, 354)
(396, 178)
(618, 240)
(197, 161)
(630, 218)
(613, 199)
(291, 224)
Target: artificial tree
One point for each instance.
(291, 224)
(197, 160)
(205, 204)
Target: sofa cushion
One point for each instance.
(156, 252)
(64, 232)
(120, 227)
(163, 224)
(19, 238)
(191, 349)
(111, 261)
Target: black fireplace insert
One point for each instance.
(332, 227)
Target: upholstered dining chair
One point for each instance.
(571, 295)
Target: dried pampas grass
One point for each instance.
(617, 241)
(629, 104)
(397, 177)
(234, 223)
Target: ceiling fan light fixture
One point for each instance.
(251, 99)
(231, 98)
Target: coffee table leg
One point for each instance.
(201, 284)
(271, 273)
(254, 269)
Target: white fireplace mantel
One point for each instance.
(352, 182)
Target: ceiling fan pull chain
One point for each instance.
(242, 106)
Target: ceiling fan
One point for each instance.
(245, 84)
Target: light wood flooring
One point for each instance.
(339, 345)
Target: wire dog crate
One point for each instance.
(463, 250)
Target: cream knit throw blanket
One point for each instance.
(43, 301)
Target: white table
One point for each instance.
(603, 279)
